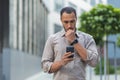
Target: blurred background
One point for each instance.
(25, 26)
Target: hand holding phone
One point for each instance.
(70, 49)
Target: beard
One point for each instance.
(70, 29)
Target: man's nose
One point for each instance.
(69, 25)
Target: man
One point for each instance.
(56, 60)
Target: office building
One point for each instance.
(23, 32)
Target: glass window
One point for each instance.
(100, 1)
(72, 5)
(92, 2)
(58, 5)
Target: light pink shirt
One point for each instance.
(75, 70)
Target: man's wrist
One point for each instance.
(62, 62)
(74, 42)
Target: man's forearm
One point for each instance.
(81, 51)
(56, 66)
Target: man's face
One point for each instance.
(69, 21)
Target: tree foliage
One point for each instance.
(118, 41)
(101, 20)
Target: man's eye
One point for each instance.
(66, 22)
(72, 21)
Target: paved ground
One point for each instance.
(90, 76)
(41, 76)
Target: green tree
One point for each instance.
(100, 21)
(118, 41)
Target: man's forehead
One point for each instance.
(65, 13)
(68, 16)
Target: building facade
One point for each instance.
(113, 50)
(23, 32)
(55, 6)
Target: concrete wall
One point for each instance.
(18, 65)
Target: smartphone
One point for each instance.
(70, 49)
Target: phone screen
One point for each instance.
(70, 49)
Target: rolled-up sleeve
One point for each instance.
(48, 55)
(92, 53)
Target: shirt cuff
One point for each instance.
(47, 66)
(92, 58)
(89, 55)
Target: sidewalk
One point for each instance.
(41, 76)
(89, 76)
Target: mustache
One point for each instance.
(70, 28)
